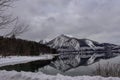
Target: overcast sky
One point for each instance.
(98, 20)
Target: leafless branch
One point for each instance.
(18, 29)
(5, 4)
(5, 19)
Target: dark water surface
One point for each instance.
(31, 66)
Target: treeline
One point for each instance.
(12, 46)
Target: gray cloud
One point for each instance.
(94, 19)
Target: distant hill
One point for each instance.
(10, 46)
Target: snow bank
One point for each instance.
(11, 60)
(13, 75)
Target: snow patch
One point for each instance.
(90, 43)
(12, 60)
(13, 75)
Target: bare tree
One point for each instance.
(18, 29)
(5, 19)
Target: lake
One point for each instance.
(71, 66)
(48, 67)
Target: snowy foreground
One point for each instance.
(13, 75)
(12, 60)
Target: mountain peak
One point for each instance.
(64, 36)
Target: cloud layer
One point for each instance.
(94, 19)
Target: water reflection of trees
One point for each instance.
(32, 66)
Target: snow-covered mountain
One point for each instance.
(75, 52)
(72, 43)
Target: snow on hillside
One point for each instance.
(13, 75)
(59, 41)
(90, 43)
(11, 60)
(71, 42)
(64, 40)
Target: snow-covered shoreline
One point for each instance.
(13, 75)
(12, 60)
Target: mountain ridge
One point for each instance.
(75, 43)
